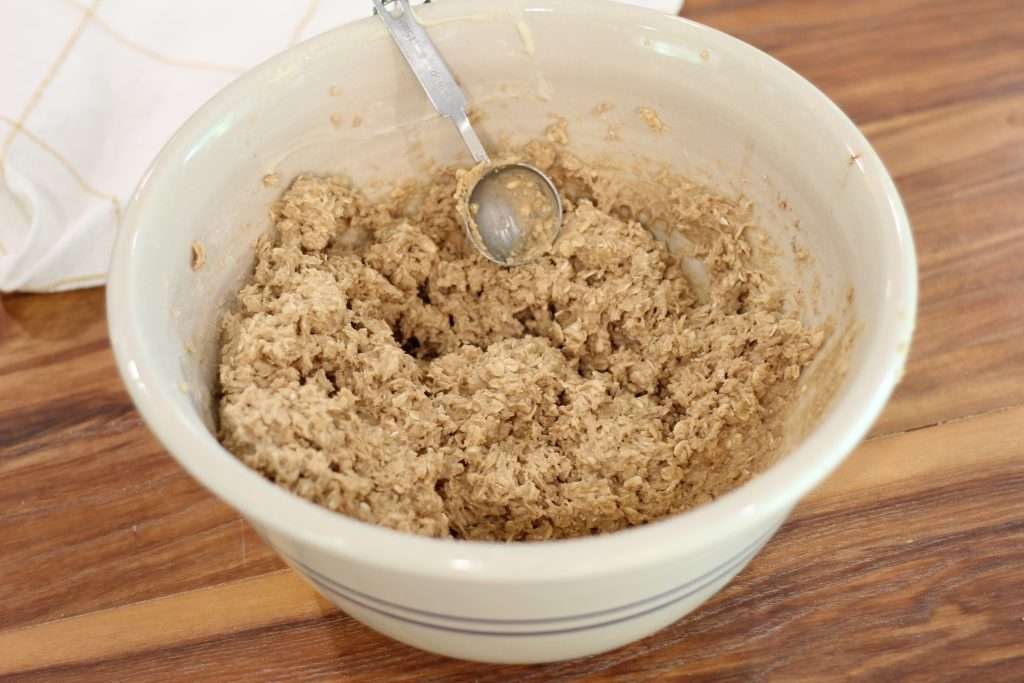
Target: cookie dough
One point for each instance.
(376, 364)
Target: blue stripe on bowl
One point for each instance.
(689, 588)
(342, 588)
(724, 571)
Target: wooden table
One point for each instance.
(907, 565)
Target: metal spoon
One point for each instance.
(513, 213)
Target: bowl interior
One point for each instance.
(346, 103)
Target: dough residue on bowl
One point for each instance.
(378, 365)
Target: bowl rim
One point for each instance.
(768, 496)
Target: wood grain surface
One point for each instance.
(907, 565)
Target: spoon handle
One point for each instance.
(431, 71)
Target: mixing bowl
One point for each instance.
(346, 103)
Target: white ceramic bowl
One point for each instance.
(733, 113)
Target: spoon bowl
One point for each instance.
(514, 214)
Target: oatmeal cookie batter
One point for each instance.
(378, 365)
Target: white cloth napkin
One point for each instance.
(89, 92)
